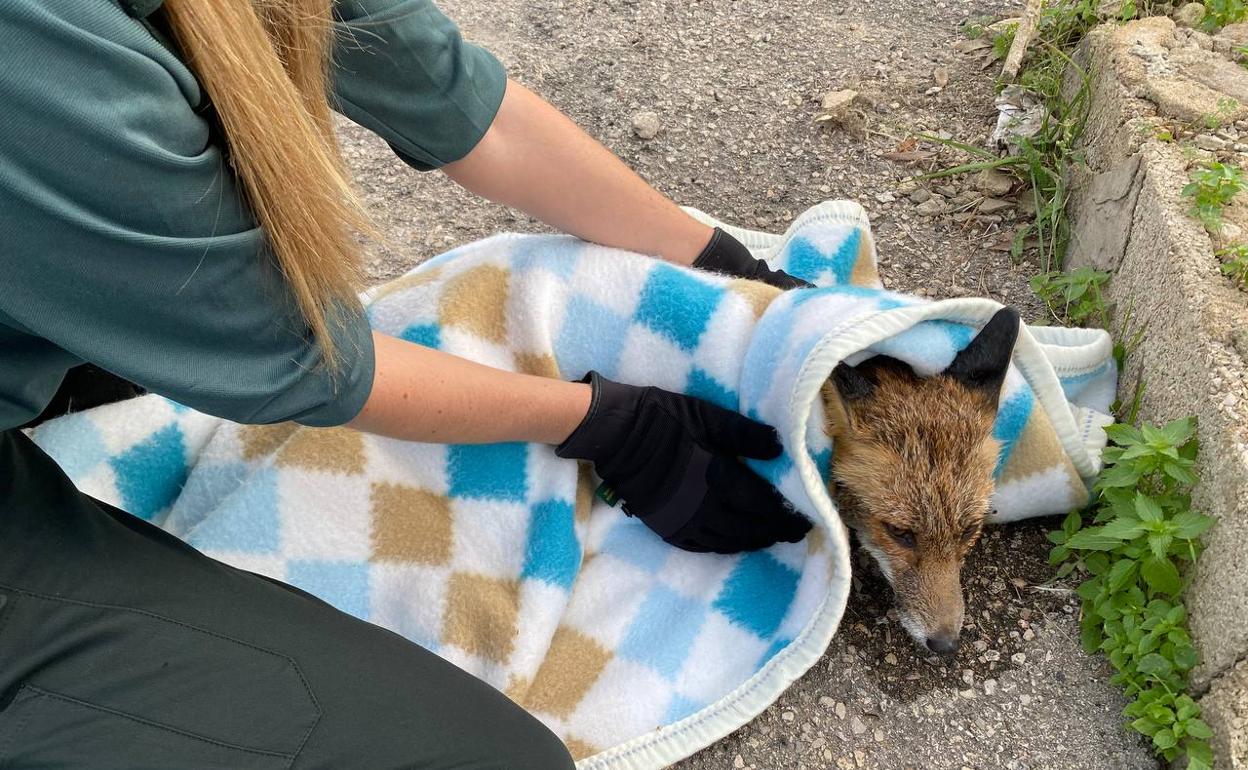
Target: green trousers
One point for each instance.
(122, 647)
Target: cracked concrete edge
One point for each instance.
(1225, 709)
(1166, 280)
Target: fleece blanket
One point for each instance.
(501, 559)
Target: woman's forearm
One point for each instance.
(537, 160)
(422, 394)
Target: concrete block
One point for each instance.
(1128, 216)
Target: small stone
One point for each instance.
(967, 694)
(890, 659)
(788, 716)
(940, 76)
(1209, 142)
(878, 735)
(826, 702)
(1190, 15)
(857, 726)
(836, 103)
(992, 206)
(968, 676)
(1239, 339)
(1024, 699)
(931, 208)
(920, 195)
(738, 761)
(991, 655)
(1018, 658)
(885, 197)
(840, 710)
(993, 182)
(990, 686)
(646, 124)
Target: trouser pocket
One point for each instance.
(98, 686)
(42, 729)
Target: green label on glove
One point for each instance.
(607, 494)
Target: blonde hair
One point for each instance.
(264, 64)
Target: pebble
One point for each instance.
(992, 206)
(990, 686)
(788, 716)
(840, 710)
(1018, 658)
(1209, 142)
(738, 761)
(890, 659)
(1190, 15)
(932, 207)
(835, 103)
(993, 182)
(857, 726)
(885, 197)
(940, 76)
(646, 124)
(921, 195)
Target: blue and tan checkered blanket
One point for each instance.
(500, 558)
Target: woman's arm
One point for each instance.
(422, 394)
(537, 160)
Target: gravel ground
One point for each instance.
(736, 85)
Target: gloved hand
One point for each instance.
(674, 460)
(725, 254)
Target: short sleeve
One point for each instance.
(125, 239)
(402, 70)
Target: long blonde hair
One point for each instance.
(264, 64)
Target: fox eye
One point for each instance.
(903, 536)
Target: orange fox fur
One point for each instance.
(912, 471)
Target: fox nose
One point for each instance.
(942, 643)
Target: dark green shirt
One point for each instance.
(124, 238)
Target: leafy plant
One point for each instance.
(1002, 41)
(1235, 263)
(1219, 13)
(1143, 529)
(1212, 189)
(1226, 111)
(1073, 297)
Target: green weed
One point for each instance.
(1226, 111)
(1214, 185)
(1219, 13)
(1235, 263)
(1073, 297)
(1002, 41)
(1142, 530)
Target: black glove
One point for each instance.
(674, 460)
(725, 254)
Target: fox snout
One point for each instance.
(928, 592)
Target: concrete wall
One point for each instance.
(1129, 217)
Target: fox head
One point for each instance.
(913, 470)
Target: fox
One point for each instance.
(912, 470)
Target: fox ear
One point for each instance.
(851, 383)
(983, 363)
